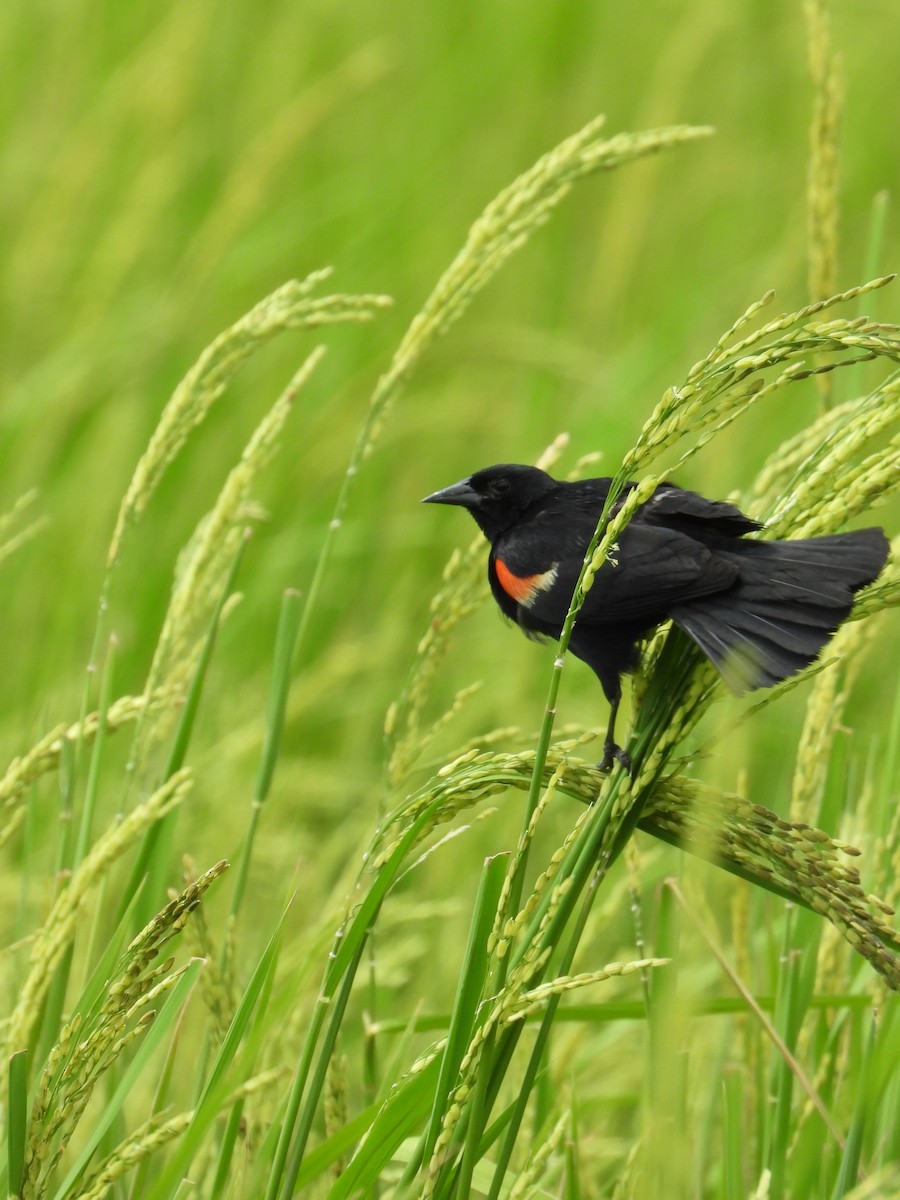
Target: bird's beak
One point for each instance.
(457, 493)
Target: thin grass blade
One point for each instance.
(216, 1089)
(17, 1118)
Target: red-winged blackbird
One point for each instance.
(761, 611)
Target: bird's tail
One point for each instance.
(788, 600)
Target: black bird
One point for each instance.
(761, 611)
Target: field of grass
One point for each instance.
(304, 892)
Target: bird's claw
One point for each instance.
(614, 754)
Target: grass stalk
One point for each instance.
(306, 1114)
(249, 1013)
(541, 1041)
(734, 1175)
(285, 644)
(153, 861)
(849, 1172)
(472, 976)
(17, 1120)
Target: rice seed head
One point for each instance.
(44, 756)
(289, 307)
(130, 1153)
(57, 931)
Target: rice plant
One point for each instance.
(610, 1028)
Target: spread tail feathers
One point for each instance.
(789, 599)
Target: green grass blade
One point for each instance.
(338, 1006)
(636, 1010)
(67, 755)
(543, 1035)
(572, 1182)
(94, 991)
(782, 1084)
(463, 1019)
(17, 1118)
(343, 961)
(848, 1174)
(155, 854)
(161, 1099)
(401, 1114)
(226, 1150)
(340, 1144)
(72, 856)
(735, 1183)
(468, 994)
(285, 644)
(217, 1086)
(347, 945)
(86, 825)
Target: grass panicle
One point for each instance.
(92, 1043)
(24, 771)
(464, 590)
(56, 933)
(531, 1177)
(218, 997)
(149, 1139)
(823, 207)
(504, 227)
(207, 558)
(829, 694)
(14, 534)
(733, 376)
(792, 859)
(292, 306)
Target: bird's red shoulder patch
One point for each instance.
(523, 588)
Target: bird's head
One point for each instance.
(497, 496)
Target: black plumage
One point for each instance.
(760, 610)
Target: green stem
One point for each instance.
(337, 1008)
(543, 1036)
(285, 644)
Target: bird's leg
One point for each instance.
(613, 753)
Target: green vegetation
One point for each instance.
(448, 957)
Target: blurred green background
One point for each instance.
(165, 166)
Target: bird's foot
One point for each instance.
(614, 754)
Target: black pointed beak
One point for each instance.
(457, 493)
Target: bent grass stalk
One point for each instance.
(790, 860)
(685, 409)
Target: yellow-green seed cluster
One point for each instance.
(291, 306)
(91, 1043)
(56, 933)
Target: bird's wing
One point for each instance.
(691, 513)
(651, 569)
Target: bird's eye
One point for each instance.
(500, 487)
